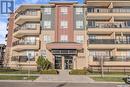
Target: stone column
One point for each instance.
(74, 62)
(63, 62)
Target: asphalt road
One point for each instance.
(36, 84)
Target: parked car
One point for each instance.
(127, 80)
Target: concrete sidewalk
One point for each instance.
(64, 77)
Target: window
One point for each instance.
(30, 54)
(64, 24)
(47, 24)
(79, 10)
(80, 39)
(31, 25)
(31, 12)
(79, 24)
(30, 40)
(64, 38)
(91, 24)
(47, 38)
(64, 10)
(47, 10)
(92, 37)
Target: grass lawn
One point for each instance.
(110, 73)
(109, 79)
(18, 72)
(17, 77)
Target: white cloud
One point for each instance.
(2, 31)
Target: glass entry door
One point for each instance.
(58, 62)
(68, 62)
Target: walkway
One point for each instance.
(65, 77)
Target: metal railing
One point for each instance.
(21, 58)
(108, 41)
(25, 28)
(108, 10)
(24, 42)
(27, 13)
(112, 58)
(109, 25)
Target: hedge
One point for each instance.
(50, 71)
(78, 72)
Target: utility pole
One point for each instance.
(29, 56)
(102, 66)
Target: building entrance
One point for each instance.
(64, 62)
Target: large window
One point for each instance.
(64, 38)
(80, 39)
(31, 25)
(31, 12)
(47, 24)
(47, 38)
(30, 54)
(79, 10)
(99, 53)
(47, 10)
(64, 10)
(79, 24)
(64, 24)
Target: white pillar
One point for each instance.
(63, 62)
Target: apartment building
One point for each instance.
(2, 52)
(109, 34)
(72, 35)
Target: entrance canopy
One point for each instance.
(64, 45)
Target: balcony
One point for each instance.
(106, 13)
(25, 45)
(108, 28)
(23, 31)
(116, 61)
(21, 18)
(108, 44)
(21, 59)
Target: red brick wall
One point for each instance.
(10, 30)
(68, 17)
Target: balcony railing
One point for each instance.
(108, 41)
(21, 59)
(107, 10)
(109, 25)
(112, 58)
(24, 27)
(24, 43)
(27, 13)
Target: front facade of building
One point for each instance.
(72, 36)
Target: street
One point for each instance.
(37, 84)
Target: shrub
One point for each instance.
(7, 70)
(50, 71)
(78, 72)
(43, 63)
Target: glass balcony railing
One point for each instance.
(26, 27)
(22, 58)
(24, 43)
(107, 10)
(112, 58)
(109, 25)
(27, 13)
(108, 41)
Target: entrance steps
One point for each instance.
(65, 77)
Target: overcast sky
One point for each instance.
(3, 20)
